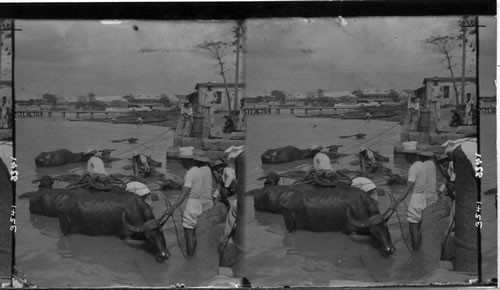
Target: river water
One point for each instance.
(277, 258)
(49, 259)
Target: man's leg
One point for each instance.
(190, 241)
(416, 236)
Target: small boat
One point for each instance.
(89, 119)
(134, 121)
(363, 116)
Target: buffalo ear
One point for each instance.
(64, 223)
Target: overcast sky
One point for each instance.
(298, 55)
(71, 58)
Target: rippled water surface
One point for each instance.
(51, 260)
(275, 257)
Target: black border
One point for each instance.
(243, 10)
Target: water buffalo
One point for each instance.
(44, 201)
(123, 214)
(59, 158)
(319, 209)
(285, 154)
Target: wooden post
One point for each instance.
(466, 242)
(292, 110)
(64, 114)
(92, 115)
(77, 115)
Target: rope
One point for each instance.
(402, 235)
(121, 152)
(175, 226)
(465, 245)
(447, 235)
(370, 139)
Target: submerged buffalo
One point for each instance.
(121, 214)
(60, 157)
(285, 154)
(320, 209)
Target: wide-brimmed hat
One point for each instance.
(316, 147)
(409, 151)
(201, 159)
(209, 84)
(90, 151)
(135, 153)
(425, 153)
(324, 150)
(138, 188)
(234, 151)
(186, 152)
(361, 149)
(218, 162)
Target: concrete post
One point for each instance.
(465, 208)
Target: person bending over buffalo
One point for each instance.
(140, 165)
(367, 160)
(141, 190)
(227, 185)
(95, 165)
(367, 186)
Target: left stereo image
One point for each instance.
(132, 140)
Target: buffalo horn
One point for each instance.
(353, 221)
(134, 229)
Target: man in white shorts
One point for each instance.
(416, 185)
(192, 190)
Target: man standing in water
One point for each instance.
(416, 185)
(208, 101)
(192, 190)
(206, 174)
(434, 102)
(430, 176)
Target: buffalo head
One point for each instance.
(153, 234)
(272, 178)
(378, 229)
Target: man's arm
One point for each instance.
(408, 190)
(184, 193)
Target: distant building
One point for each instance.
(220, 92)
(375, 94)
(295, 99)
(145, 100)
(448, 90)
(340, 95)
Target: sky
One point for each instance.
(71, 58)
(300, 55)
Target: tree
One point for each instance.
(320, 93)
(50, 98)
(239, 37)
(394, 95)
(278, 95)
(217, 51)
(445, 46)
(358, 93)
(165, 100)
